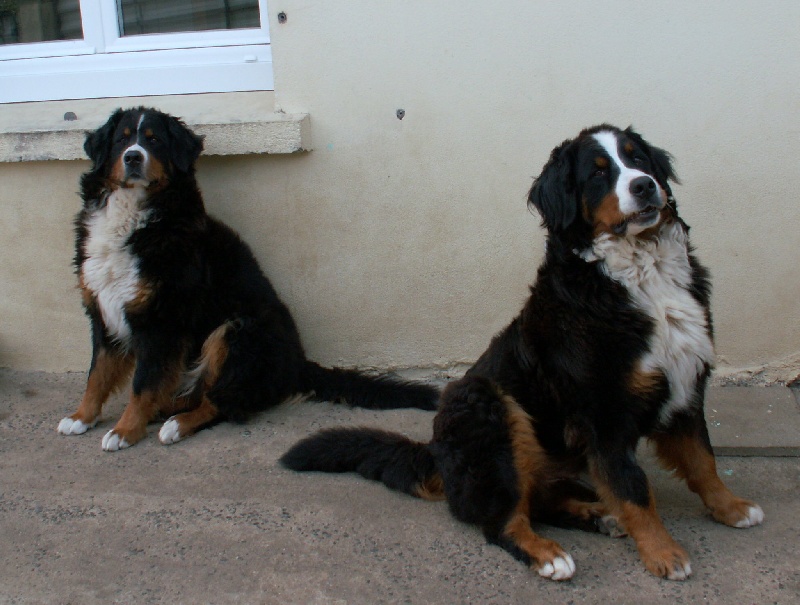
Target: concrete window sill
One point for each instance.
(277, 133)
(233, 124)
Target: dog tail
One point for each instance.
(394, 460)
(366, 391)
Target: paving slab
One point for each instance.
(753, 421)
(214, 519)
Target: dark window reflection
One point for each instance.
(158, 16)
(24, 21)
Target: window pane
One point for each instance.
(158, 16)
(39, 21)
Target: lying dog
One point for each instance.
(614, 344)
(175, 297)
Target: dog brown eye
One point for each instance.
(152, 139)
(600, 172)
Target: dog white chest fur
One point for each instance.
(658, 276)
(110, 271)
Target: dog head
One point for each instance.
(606, 180)
(142, 147)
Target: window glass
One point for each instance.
(158, 16)
(24, 21)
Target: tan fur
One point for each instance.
(431, 489)
(214, 354)
(86, 294)
(642, 382)
(607, 214)
(529, 463)
(144, 407)
(693, 462)
(109, 372)
(143, 297)
(189, 422)
(660, 554)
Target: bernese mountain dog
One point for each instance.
(176, 298)
(614, 344)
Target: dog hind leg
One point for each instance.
(490, 462)
(246, 365)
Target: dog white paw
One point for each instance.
(561, 568)
(680, 572)
(68, 426)
(170, 432)
(755, 516)
(610, 526)
(113, 442)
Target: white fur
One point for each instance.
(170, 432)
(143, 151)
(110, 271)
(657, 274)
(68, 426)
(113, 442)
(755, 516)
(192, 377)
(627, 203)
(680, 573)
(562, 568)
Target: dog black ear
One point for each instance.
(98, 142)
(660, 160)
(184, 145)
(552, 193)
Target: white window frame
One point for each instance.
(105, 64)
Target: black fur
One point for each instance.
(195, 275)
(389, 458)
(567, 360)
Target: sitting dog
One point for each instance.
(174, 296)
(614, 344)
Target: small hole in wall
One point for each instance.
(281, 17)
(400, 113)
(70, 116)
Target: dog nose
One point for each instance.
(642, 187)
(133, 158)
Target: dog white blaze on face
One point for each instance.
(629, 206)
(137, 175)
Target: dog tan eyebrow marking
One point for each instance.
(601, 162)
(127, 131)
(628, 147)
(148, 133)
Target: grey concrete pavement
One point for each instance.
(214, 519)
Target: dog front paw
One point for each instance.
(610, 526)
(561, 567)
(113, 441)
(74, 426)
(170, 432)
(739, 513)
(670, 562)
(753, 516)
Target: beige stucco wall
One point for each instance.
(408, 243)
